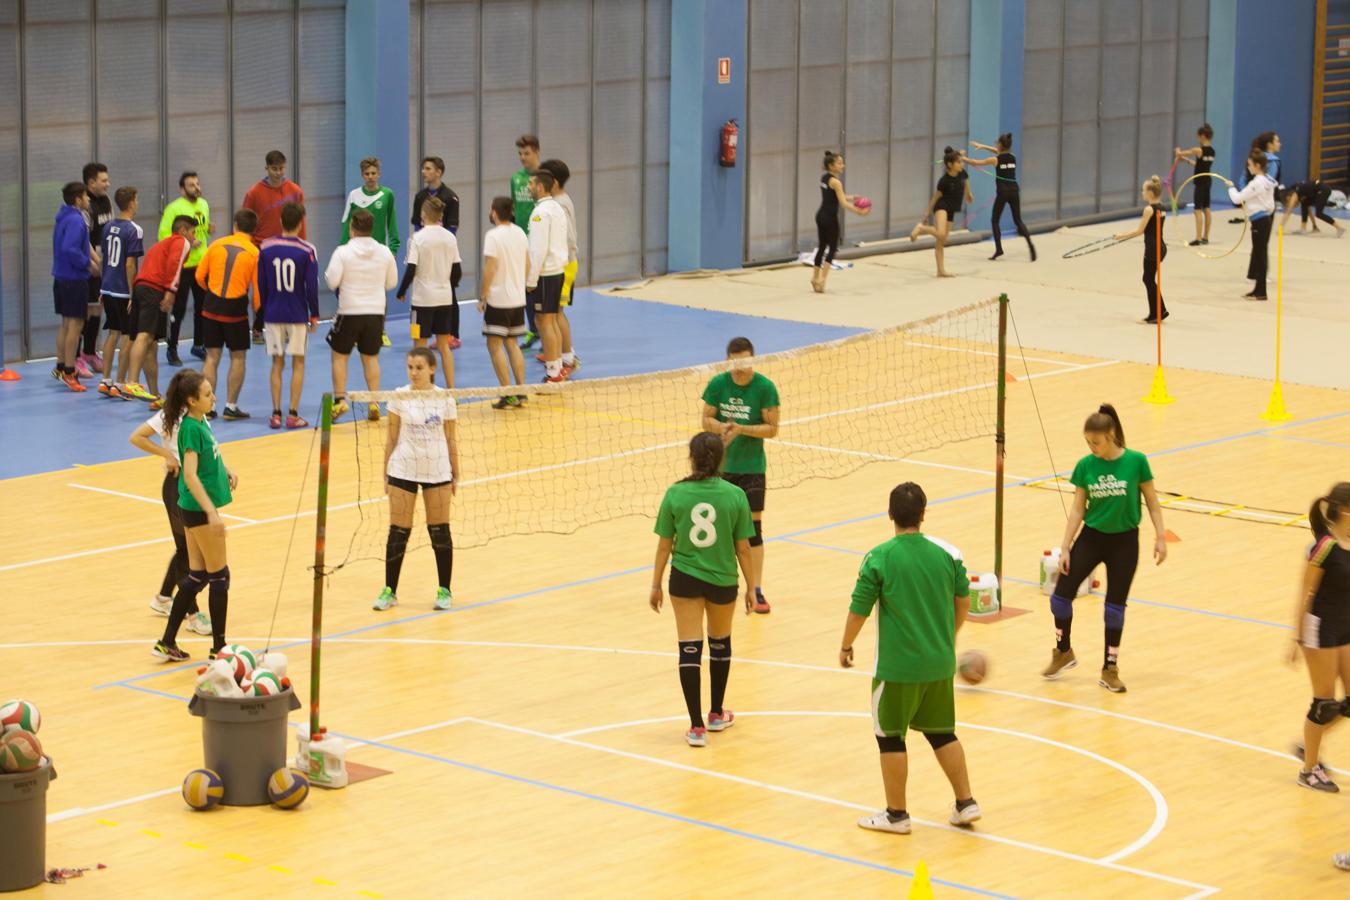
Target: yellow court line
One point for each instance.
(1227, 510)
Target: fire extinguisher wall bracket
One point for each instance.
(730, 137)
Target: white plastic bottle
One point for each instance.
(324, 759)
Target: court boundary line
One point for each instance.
(155, 500)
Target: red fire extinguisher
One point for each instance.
(730, 137)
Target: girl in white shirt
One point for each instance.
(420, 453)
(1259, 199)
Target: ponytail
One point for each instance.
(1328, 509)
(705, 453)
(185, 385)
(1106, 421)
(1154, 187)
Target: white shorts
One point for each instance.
(285, 338)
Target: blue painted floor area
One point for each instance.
(44, 427)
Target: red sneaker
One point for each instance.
(296, 422)
(721, 721)
(275, 421)
(73, 383)
(696, 737)
(455, 343)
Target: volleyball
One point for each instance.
(288, 788)
(241, 658)
(972, 667)
(203, 789)
(19, 715)
(20, 751)
(862, 203)
(264, 684)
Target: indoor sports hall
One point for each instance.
(506, 703)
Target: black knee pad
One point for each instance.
(440, 536)
(1324, 711)
(938, 741)
(398, 541)
(890, 744)
(691, 654)
(757, 538)
(720, 649)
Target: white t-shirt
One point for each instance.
(421, 454)
(168, 438)
(434, 250)
(508, 245)
(565, 201)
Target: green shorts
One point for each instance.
(926, 706)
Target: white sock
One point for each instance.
(553, 367)
(568, 358)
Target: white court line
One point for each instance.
(1040, 359)
(86, 810)
(1202, 890)
(155, 500)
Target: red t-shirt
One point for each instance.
(163, 263)
(266, 202)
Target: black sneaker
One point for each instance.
(1318, 779)
(198, 351)
(211, 415)
(1195, 243)
(172, 358)
(167, 652)
(234, 412)
(507, 403)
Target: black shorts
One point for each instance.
(429, 321)
(547, 296)
(504, 322)
(71, 298)
(364, 332)
(116, 313)
(146, 316)
(411, 487)
(951, 213)
(192, 518)
(1200, 199)
(234, 336)
(682, 585)
(1320, 632)
(752, 484)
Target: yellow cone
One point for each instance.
(1158, 392)
(920, 888)
(1275, 411)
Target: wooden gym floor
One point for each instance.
(535, 733)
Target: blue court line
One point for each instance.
(1308, 440)
(1011, 580)
(636, 807)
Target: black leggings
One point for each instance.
(178, 565)
(1256, 269)
(827, 236)
(1319, 207)
(1119, 551)
(1013, 200)
(1151, 285)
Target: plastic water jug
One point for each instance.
(324, 759)
(983, 595)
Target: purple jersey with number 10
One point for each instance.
(122, 240)
(288, 281)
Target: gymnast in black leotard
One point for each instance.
(1312, 195)
(832, 199)
(1006, 192)
(1202, 157)
(1155, 247)
(953, 188)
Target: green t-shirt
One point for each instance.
(915, 577)
(705, 518)
(380, 205)
(196, 436)
(1112, 487)
(744, 406)
(199, 210)
(522, 198)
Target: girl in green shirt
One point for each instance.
(205, 485)
(1108, 483)
(704, 522)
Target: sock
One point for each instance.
(443, 545)
(962, 804)
(393, 555)
(895, 815)
(691, 666)
(294, 414)
(218, 600)
(1114, 614)
(719, 667)
(187, 597)
(568, 358)
(276, 412)
(1063, 612)
(553, 367)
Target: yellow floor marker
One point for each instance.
(920, 888)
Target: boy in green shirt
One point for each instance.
(192, 204)
(527, 149)
(921, 585)
(741, 406)
(379, 202)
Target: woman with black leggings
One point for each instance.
(1108, 483)
(832, 199)
(1006, 192)
(1312, 196)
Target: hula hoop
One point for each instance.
(1245, 221)
(1092, 247)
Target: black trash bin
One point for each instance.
(244, 741)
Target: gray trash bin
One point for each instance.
(23, 822)
(244, 741)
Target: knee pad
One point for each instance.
(1061, 608)
(1114, 614)
(219, 580)
(719, 649)
(440, 536)
(1324, 711)
(890, 744)
(691, 654)
(398, 541)
(757, 538)
(938, 741)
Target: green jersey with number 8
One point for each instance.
(705, 518)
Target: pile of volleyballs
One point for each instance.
(20, 750)
(238, 672)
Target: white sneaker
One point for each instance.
(882, 822)
(965, 816)
(386, 600)
(161, 604)
(199, 623)
(1341, 860)
(443, 599)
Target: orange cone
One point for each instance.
(9, 375)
